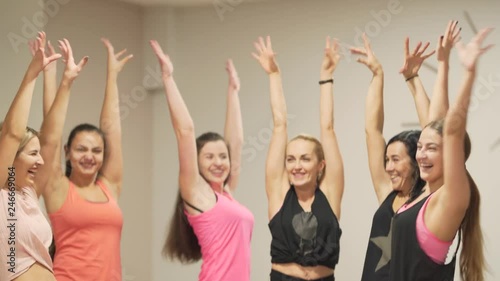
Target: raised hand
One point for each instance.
(234, 80)
(40, 59)
(265, 55)
(331, 58)
(34, 45)
(469, 54)
(446, 42)
(413, 61)
(115, 64)
(368, 58)
(72, 70)
(167, 67)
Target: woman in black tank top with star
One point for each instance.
(398, 179)
(304, 181)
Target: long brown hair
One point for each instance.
(182, 243)
(472, 261)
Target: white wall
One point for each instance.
(204, 39)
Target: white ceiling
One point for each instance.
(189, 3)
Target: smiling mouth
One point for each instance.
(87, 166)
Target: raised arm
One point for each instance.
(412, 63)
(49, 76)
(439, 102)
(454, 196)
(233, 131)
(276, 178)
(183, 126)
(333, 181)
(112, 169)
(50, 175)
(374, 122)
(16, 120)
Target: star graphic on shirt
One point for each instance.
(384, 243)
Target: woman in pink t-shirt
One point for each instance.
(208, 223)
(25, 234)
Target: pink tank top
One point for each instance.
(25, 234)
(87, 237)
(224, 233)
(432, 246)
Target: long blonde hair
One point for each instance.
(29, 134)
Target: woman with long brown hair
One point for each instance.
(208, 223)
(424, 229)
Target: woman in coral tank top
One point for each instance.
(208, 223)
(82, 202)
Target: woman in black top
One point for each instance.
(451, 195)
(304, 181)
(398, 179)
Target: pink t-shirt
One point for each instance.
(224, 233)
(432, 246)
(25, 234)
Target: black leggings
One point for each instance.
(278, 276)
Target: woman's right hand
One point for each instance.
(368, 57)
(40, 59)
(265, 55)
(34, 45)
(413, 61)
(72, 70)
(167, 68)
(446, 42)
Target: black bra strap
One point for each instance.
(193, 207)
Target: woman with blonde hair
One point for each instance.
(304, 181)
(24, 230)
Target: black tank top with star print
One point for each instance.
(306, 238)
(378, 253)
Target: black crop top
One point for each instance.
(306, 238)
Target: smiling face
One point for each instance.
(302, 163)
(398, 165)
(213, 162)
(86, 153)
(27, 162)
(429, 155)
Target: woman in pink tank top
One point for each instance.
(25, 234)
(452, 197)
(208, 223)
(82, 203)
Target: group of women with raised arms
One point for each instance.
(426, 196)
